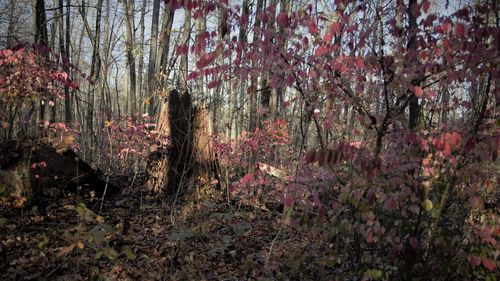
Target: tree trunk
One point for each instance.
(41, 40)
(105, 99)
(140, 69)
(171, 160)
(412, 47)
(183, 65)
(164, 48)
(266, 97)
(175, 162)
(201, 28)
(95, 68)
(52, 46)
(238, 96)
(254, 80)
(130, 50)
(153, 47)
(11, 24)
(278, 98)
(64, 41)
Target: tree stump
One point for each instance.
(207, 169)
(183, 153)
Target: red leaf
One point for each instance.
(453, 138)
(328, 37)
(213, 84)
(205, 60)
(369, 237)
(313, 28)
(335, 28)
(359, 63)
(474, 261)
(282, 20)
(447, 27)
(414, 243)
(289, 200)
(489, 264)
(447, 149)
(418, 91)
(426, 5)
(390, 204)
(193, 75)
(320, 51)
(182, 49)
(459, 30)
(247, 178)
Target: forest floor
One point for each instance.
(134, 238)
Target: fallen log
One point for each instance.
(30, 170)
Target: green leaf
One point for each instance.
(98, 255)
(435, 213)
(42, 243)
(3, 221)
(99, 236)
(110, 253)
(127, 250)
(85, 213)
(374, 274)
(144, 207)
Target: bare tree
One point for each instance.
(128, 6)
(201, 28)
(183, 64)
(254, 79)
(41, 37)
(64, 43)
(153, 47)
(95, 67)
(140, 68)
(412, 46)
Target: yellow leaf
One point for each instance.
(80, 245)
(427, 204)
(100, 219)
(147, 101)
(108, 123)
(68, 140)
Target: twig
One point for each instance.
(273, 242)
(53, 270)
(105, 190)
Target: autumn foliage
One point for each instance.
(416, 201)
(381, 123)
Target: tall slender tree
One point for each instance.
(128, 6)
(153, 48)
(182, 82)
(41, 38)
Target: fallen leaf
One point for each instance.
(66, 250)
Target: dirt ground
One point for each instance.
(136, 238)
